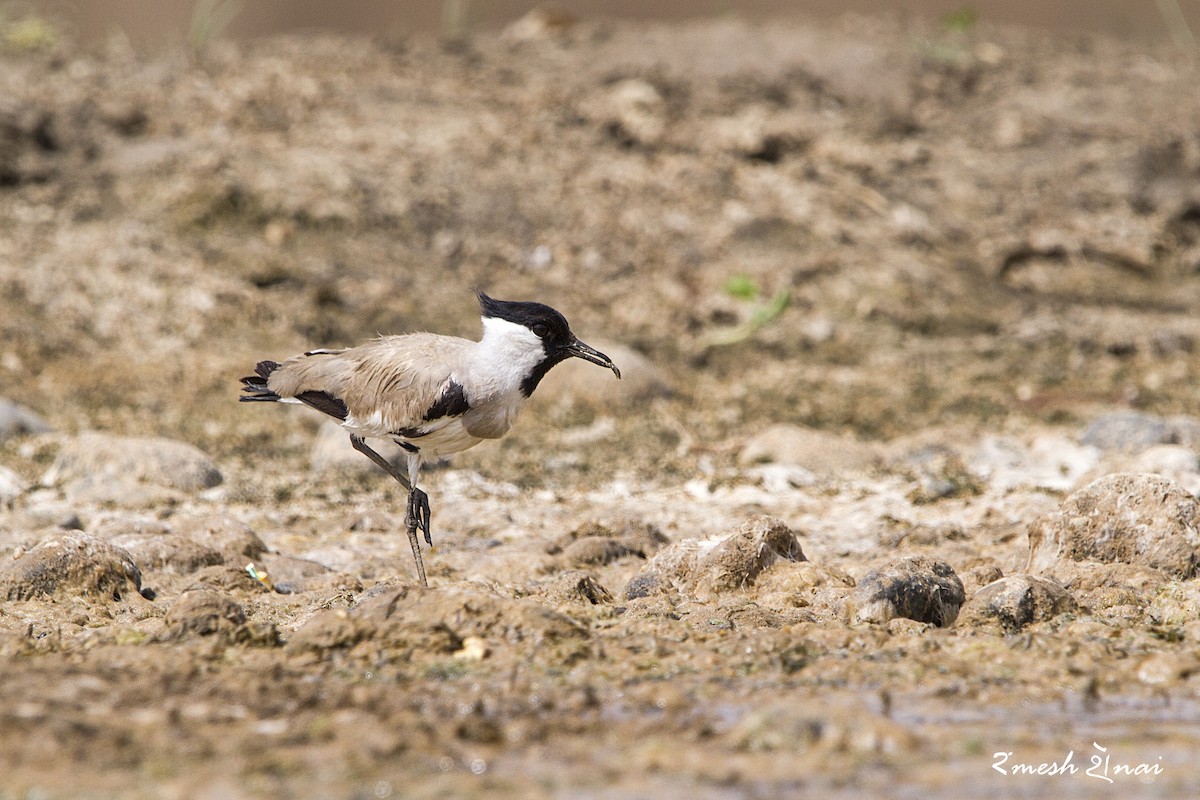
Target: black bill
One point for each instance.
(580, 350)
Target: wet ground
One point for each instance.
(888, 302)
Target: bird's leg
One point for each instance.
(418, 513)
(411, 520)
(379, 461)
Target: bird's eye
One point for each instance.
(540, 329)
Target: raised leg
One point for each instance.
(416, 514)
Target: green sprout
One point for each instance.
(28, 34)
(742, 287)
(960, 20)
(210, 18)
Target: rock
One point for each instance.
(917, 588)
(576, 383)
(1176, 603)
(1049, 461)
(595, 550)
(940, 473)
(1133, 431)
(1174, 461)
(818, 451)
(631, 110)
(601, 542)
(642, 585)
(73, 563)
(542, 22)
(803, 584)
(439, 620)
(1112, 590)
(17, 420)
(11, 486)
(1127, 518)
(719, 565)
(1162, 669)
(1017, 601)
(201, 612)
(160, 462)
(332, 452)
(170, 552)
(332, 629)
(574, 587)
(233, 539)
(595, 544)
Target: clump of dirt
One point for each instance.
(878, 289)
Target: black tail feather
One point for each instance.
(255, 388)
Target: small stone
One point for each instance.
(11, 486)
(575, 586)
(632, 111)
(1017, 601)
(820, 452)
(1048, 461)
(233, 539)
(169, 552)
(719, 565)
(917, 588)
(200, 612)
(17, 420)
(74, 564)
(1176, 603)
(1163, 669)
(542, 22)
(595, 550)
(1127, 432)
(643, 585)
(332, 629)
(122, 459)
(474, 648)
(1126, 518)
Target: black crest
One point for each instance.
(532, 316)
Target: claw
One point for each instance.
(418, 513)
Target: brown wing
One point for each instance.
(387, 385)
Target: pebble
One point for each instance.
(106, 458)
(1176, 603)
(441, 620)
(233, 539)
(1128, 518)
(704, 568)
(632, 110)
(916, 587)
(819, 452)
(11, 486)
(574, 587)
(17, 420)
(202, 612)
(1134, 431)
(169, 552)
(1162, 669)
(75, 564)
(1049, 461)
(1016, 601)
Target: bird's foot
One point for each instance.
(417, 515)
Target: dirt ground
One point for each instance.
(873, 282)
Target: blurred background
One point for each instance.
(166, 21)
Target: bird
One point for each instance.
(433, 395)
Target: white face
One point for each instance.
(508, 353)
